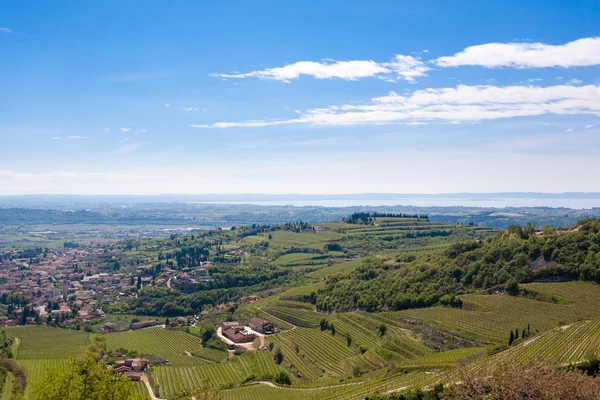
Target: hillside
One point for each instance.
(519, 255)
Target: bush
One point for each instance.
(283, 378)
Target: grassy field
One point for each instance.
(40, 348)
(168, 344)
(40, 342)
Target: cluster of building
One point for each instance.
(240, 334)
(131, 368)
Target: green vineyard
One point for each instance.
(176, 346)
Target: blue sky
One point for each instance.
(299, 96)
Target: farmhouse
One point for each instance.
(238, 334)
(261, 325)
(229, 324)
(131, 364)
(134, 376)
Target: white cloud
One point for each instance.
(189, 109)
(589, 126)
(125, 129)
(72, 137)
(574, 81)
(450, 105)
(579, 53)
(167, 105)
(403, 67)
(5, 30)
(569, 130)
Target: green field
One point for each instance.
(40, 342)
(168, 344)
(233, 372)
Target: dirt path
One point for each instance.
(150, 392)
(271, 384)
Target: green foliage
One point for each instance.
(19, 373)
(207, 332)
(86, 378)
(6, 342)
(512, 257)
(283, 378)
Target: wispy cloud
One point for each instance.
(400, 67)
(578, 53)
(125, 129)
(189, 109)
(6, 30)
(129, 148)
(574, 81)
(450, 105)
(72, 137)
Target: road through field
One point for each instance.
(150, 392)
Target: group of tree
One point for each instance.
(368, 218)
(515, 335)
(519, 255)
(9, 365)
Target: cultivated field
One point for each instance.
(175, 346)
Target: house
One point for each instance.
(229, 324)
(260, 325)
(134, 376)
(122, 369)
(110, 326)
(131, 364)
(143, 324)
(238, 334)
(137, 364)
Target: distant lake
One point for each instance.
(429, 202)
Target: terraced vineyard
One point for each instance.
(563, 345)
(295, 316)
(491, 317)
(171, 379)
(173, 345)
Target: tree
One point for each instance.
(382, 329)
(512, 287)
(283, 378)
(277, 355)
(511, 338)
(348, 339)
(86, 378)
(324, 324)
(332, 329)
(207, 333)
